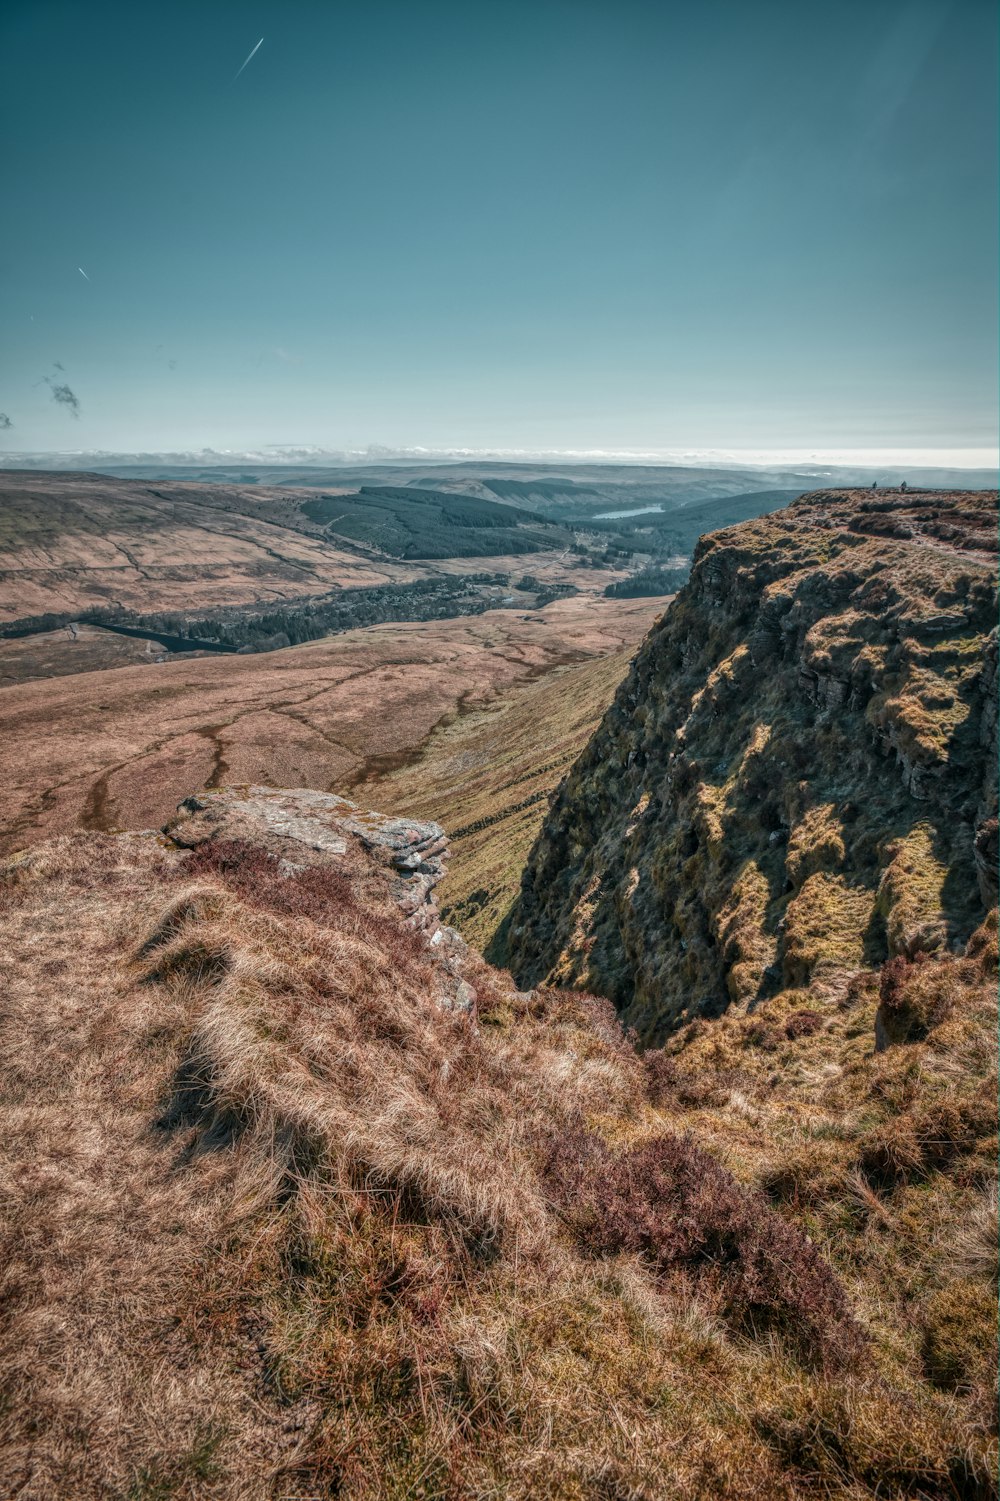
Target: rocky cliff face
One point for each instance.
(798, 776)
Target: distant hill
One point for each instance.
(417, 524)
(74, 542)
(78, 542)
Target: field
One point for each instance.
(119, 748)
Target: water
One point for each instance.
(614, 515)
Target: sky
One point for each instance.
(500, 225)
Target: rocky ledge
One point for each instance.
(302, 828)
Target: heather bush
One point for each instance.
(668, 1085)
(803, 1024)
(915, 995)
(258, 879)
(763, 1036)
(662, 1076)
(669, 1202)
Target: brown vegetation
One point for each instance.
(120, 749)
(282, 1225)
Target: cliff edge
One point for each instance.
(797, 777)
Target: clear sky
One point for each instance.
(556, 224)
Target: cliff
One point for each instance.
(797, 778)
(302, 1197)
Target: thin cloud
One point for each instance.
(248, 59)
(64, 394)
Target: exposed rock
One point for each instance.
(798, 774)
(302, 828)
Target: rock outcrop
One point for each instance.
(302, 828)
(798, 775)
(299, 829)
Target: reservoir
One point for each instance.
(614, 515)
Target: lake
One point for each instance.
(614, 515)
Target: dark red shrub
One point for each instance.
(803, 1024)
(761, 1035)
(670, 1202)
(257, 878)
(915, 996)
(892, 980)
(661, 1076)
(668, 1085)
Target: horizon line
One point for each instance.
(278, 454)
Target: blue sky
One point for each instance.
(539, 226)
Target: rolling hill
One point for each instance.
(76, 542)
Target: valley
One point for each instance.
(119, 748)
(626, 1043)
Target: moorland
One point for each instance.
(308, 1198)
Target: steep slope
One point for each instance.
(302, 1199)
(798, 775)
(488, 773)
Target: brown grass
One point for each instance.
(280, 1226)
(120, 749)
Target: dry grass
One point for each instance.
(488, 775)
(280, 1226)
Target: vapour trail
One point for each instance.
(248, 59)
(83, 273)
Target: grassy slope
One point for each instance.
(487, 777)
(279, 1227)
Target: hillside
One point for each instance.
(75, 542)
(798, 776)
(303, 1199)
(421, 523)
(72, 542)
(488, 774)
(118, 749)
